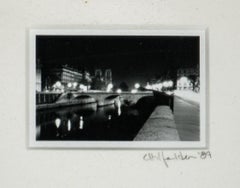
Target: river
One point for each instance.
(91, 123)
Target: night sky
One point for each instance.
(132, 59)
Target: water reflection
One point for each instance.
(57, 122)
(38, 131)
(69, 125)
(88, 122)
(81, 123)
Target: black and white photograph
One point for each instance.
(117, 88)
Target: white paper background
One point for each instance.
(21, 167)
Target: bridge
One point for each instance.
(101, 98)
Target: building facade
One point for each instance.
(188, 79)
(38, 76)
(102, 79)
(65, 75)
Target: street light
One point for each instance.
(137, 85)
(69, 85)
(133, 91)
(119, 91)
(58, 84)
(165, 84)
(75, 84)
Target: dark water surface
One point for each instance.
(88, 122)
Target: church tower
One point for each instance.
(108, 76)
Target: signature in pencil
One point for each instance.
(176, 156)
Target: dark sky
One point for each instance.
(131, 58)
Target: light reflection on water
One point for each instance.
(81, 123)
(88, 122)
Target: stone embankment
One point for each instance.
(160, 126)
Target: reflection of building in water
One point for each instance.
(38, 76)
(188, 79)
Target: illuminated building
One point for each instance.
(38, 76)
(63, 74)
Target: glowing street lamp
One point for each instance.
(165, 84)
(69, 85)
(58, 84)
(170, 83)
(119, 91)
(75, 84)
(133, 91)
(137, 85)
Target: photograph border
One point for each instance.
(33, 143)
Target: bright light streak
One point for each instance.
(57, 122)
(81, 123)
(69, 125)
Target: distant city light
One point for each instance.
(119, 91)
(170, 83)
(58, 84)
(69, 84)
(109, 87)
(148, 86)
(137, 85)
(75, 84)
(133, 91)
(165, 84)
(83, 87)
